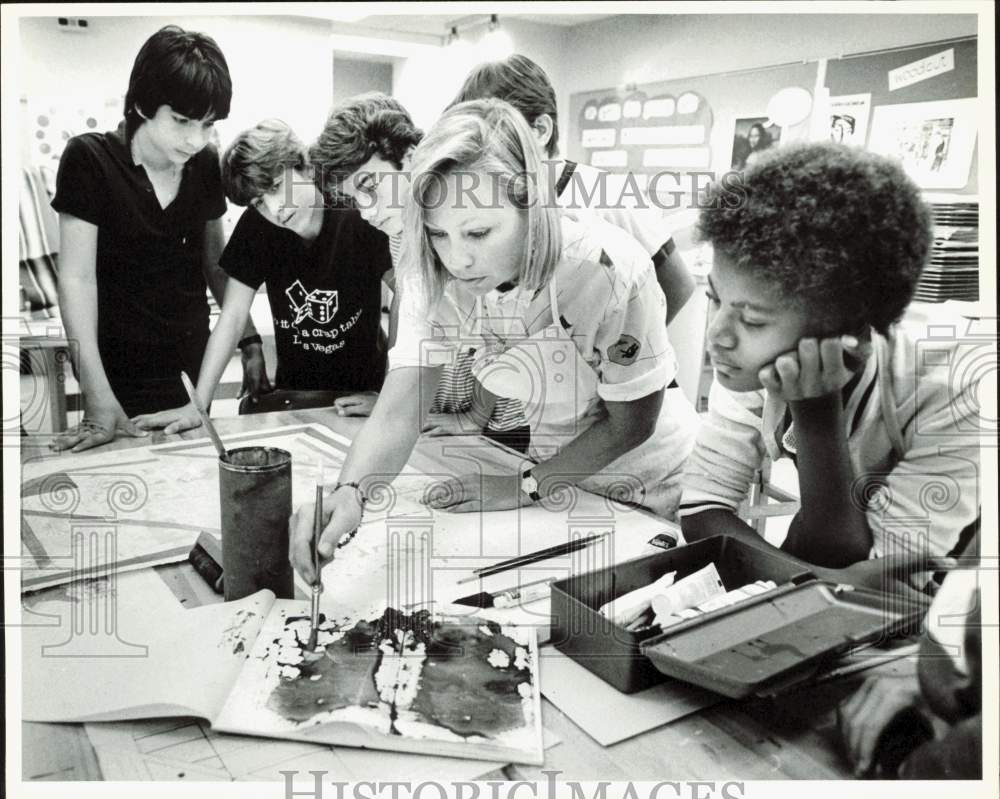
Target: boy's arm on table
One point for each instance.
(718, 475)
(881, 574)
(103, 417)
(377, 455)
(254, 369)
(626, 426)
(221, 343)
(811, 379)
(826, 481)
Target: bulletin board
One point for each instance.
(682, 141)
(952, 76)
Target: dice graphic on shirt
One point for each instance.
(323, 306)
(297, 295)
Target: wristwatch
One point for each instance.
(529, 485)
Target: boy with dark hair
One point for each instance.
(141, 231)
(812, 270)
(522, 83)
(322, 266)
(363, 154)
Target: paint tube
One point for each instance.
(690, 591)
(522, 596)
(627, 608)
(714, 603)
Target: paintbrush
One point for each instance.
(193, 396)
(508, 597)
(533, 557)
(317, 587)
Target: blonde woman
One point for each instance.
(567, 319)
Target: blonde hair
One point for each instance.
(492, 138)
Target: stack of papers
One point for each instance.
(953, 270)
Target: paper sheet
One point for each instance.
(187, 749)
(606, 714)
(124, 648)
(402, 682)
(144, 505)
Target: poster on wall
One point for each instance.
(752, 136)
(637, 133)
(848, 118)
(934, 141)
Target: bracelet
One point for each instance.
(363, 499)
(347, 540)
(246, 342)
(361, 494)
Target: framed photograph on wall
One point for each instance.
(752, 135)
(934, 140)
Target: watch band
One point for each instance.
(529, 485)
(254, 339)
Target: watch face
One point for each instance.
(529, 485)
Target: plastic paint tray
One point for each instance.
(612, 652)
(777, 638)
(760, 645)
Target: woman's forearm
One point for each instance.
(627, 425)
(384, 444)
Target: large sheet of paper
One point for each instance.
(124, 648)
(397, 681)
(83, 515)
(401, 682)
(585, 698)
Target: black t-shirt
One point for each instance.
(151, 290)
(325, 297)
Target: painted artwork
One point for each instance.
(752, 136)
(465, 687)
(409, 682)
(934, 141)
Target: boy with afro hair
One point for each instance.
(816, 258)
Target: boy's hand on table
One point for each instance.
(255, 381)
(341, 517)
(888, 575)
(816, 368)
(864, 716)
(175, 420)
(99, 426)
(448, 424)
(476, 493)
(360, 404)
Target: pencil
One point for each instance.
(533, 557)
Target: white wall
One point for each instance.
(427, 84)
(647, 48)
(281, 66)
(352, 76)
